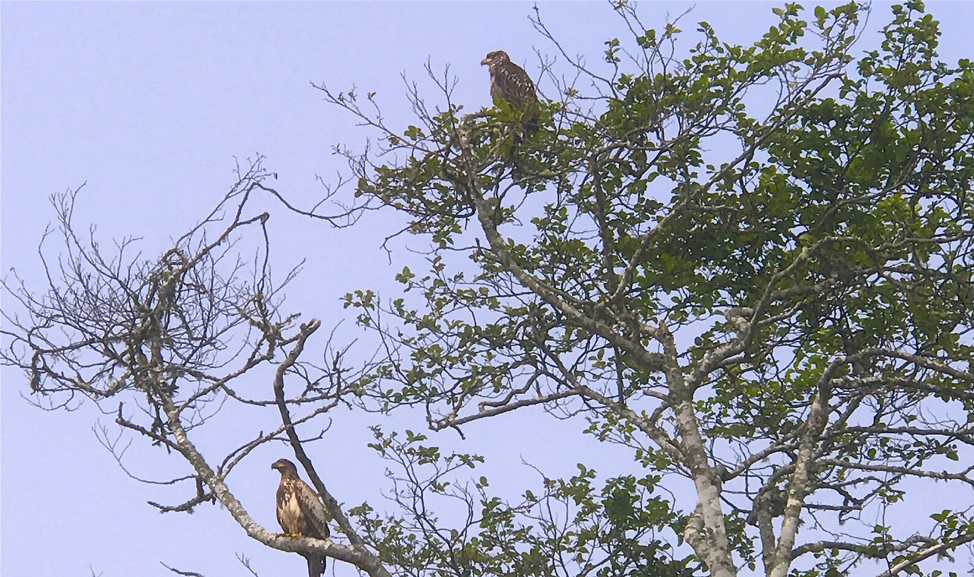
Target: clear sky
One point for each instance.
(149, 104)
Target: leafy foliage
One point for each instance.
(750, 264)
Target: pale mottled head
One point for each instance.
(495, 57)
(286, 468)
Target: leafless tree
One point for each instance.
(173, 340)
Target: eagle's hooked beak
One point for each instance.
(485, 62)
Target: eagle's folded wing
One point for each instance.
(512, 84)
(312, 509)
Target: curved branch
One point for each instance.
(365, 560)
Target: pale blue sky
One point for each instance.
(149, 103)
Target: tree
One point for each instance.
(751, 266)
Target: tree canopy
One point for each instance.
(751, 266)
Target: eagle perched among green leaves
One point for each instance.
(299, 511)
(511, 84)
(508, 81)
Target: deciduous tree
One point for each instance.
(749, 265)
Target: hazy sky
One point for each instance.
(149, 104)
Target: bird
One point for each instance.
(511, 84)
(299, 512)
(508, 81)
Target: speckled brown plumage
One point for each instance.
(508, 81)
(299, 511)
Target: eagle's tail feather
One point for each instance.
(316, 566)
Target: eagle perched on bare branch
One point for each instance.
(299, 511)
(510, 83)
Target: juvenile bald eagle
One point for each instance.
(510, 83)
(299, 511)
